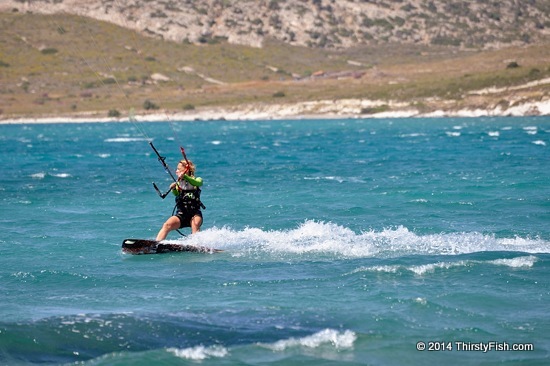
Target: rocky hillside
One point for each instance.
(480, 24)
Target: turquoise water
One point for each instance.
(346, 242)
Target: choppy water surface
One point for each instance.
(346, 242)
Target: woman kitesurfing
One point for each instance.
(186, 188)
(186, 213)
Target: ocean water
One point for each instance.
(346, 242)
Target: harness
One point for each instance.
(189, 200)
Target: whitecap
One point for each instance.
(452, 134)
(422, 269)
(383, 269)
(40, 175)
(421, 300)
(493, 133)
(539, 142)
(405, 135)
(125, 139)
(518, 262)
(216, 142)
(337, 179)
(417, 269)
(531, 130)
(339, 340)
(431, 267)
(198, 353)
(62, 175)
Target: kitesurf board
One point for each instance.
(145, 246)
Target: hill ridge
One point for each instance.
(318, 23)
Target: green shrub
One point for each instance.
(148, 105)
(48, 51)
(113, 113)
(374, 110)
(534, 72)
(445, 41)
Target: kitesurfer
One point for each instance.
(188, 204)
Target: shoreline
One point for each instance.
(325, 109)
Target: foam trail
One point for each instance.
(321, 238)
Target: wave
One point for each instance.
(518, 262)
(124, 338)
(327, 337)
(339, 340)
(321, 238)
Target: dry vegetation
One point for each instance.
(69, 65)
